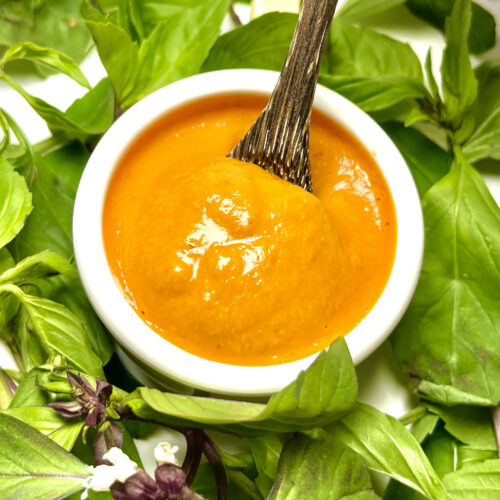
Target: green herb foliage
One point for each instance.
(316, 466)
(448, 341)
(450, 334)
(305, 403)
(33, 467)
(48, 23)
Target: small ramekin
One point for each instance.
(154, 360)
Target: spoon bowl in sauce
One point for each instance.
(190, 359)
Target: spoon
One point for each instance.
(279, 140)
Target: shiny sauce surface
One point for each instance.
(233, 264)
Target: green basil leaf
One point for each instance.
(361, 51)
(41, 265)
(238, 488)
(447, 394)
(373, 70)
(58, 330)
(33, 467)
(48, 23)
(29, 393)
(262, 43)
(177, 46)
(441, 449)
(373, 93)
(358, 9)
(475, 481)
(317, 467)
(54, 191)
(94, 112)
(388, 447)
(59, 122)
(49, 57)
(458, 81)
(485, 141)
(449, 338)
(323, 393)
(15, 202)
(47, 421)
(471, 425)
(118, 52)
(482, 36)
(50, 227)
(467, 456)
(427, 161)
(266, 451)
(173, 49)
(424, 427)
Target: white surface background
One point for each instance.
(380, 380)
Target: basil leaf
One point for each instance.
(317, 467)
(177, 46)
(58, 330)
(40, 265)
(239, 488)
(118, 52)
(266, 452)
(358, 9)
(33, 467)
(485, 141)
(29, 393)
(54, 191)
(174, 48)
(474, 481)
(49, 422)
(49, 57)
(482, 36)
(441, 449)
(388, 447)
(427, 161)
(262, 43)
(15, 202)
(459, 84)
(361, 51)
(94, 112)
(424, 427)
(321, 394)
(449, 338)
(49, 23)
(60, 123)
(371, 69)
(50, 227)
(467, 456)
(469, 424)
(374, 93)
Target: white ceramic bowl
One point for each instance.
(154, 360)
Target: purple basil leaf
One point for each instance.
(118, 492)
(103, 390)
(171, 479)
(79, 384)
(111, 436)
(68, 409)
(141, 486)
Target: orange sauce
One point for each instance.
(233, 264)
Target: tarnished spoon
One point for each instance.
(279, 140)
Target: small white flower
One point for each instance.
(165, 453)
(103, 476)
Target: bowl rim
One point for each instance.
(129, 329)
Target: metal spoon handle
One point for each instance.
(279, 140)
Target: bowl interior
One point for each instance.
(175, 363)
